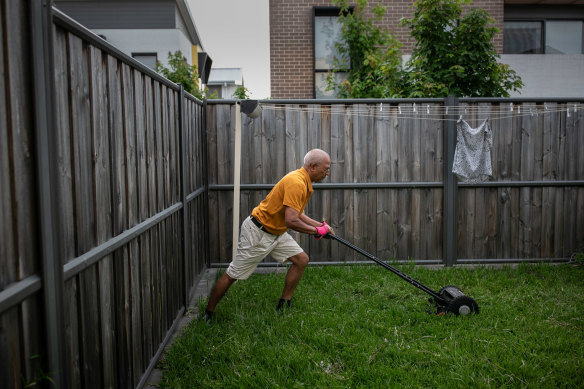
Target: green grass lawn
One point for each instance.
(362, 326)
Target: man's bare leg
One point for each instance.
(219, 290)
(299, 263)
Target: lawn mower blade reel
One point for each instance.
(454, 301)
(449, 299)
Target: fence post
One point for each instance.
(41, 21)
(183, 186)
(450, 185)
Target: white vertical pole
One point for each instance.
(236, 177)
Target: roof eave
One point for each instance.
(183, 8)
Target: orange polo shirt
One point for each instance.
(293, 191)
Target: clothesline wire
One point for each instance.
(425, 112)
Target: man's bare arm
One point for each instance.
(300, 222)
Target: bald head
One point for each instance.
(317, 163)
(316, 157)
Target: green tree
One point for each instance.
(180, 72)
(454, 54)
(241, 93)
(373, 52)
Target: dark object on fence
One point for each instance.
(251, 108)
(449, 299)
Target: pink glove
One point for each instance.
(322, 231)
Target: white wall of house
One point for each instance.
(149, 41)
(548, 75)
(545, 75)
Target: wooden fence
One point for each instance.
(387, 188)
(103, 205)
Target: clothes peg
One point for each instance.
(380, 107)
(414, 107)
(399, 109)
(428, 109)
(510, 107)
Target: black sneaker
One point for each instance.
(207, 317)
(282, 304)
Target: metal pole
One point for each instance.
(236, 177)
(46, 163)
(450, 186)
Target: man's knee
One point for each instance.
(300, 259)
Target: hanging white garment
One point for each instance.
(472, 157)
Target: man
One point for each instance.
(265, 230)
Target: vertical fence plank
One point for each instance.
(416, 175)
(81, 140)
(212, 115)
(9, 348)
(18, 83)
(72, 333)
(116, 125)
(404, 196)
(324, 213)
(338, 155)
(360, 130)
(225, 137)
(102, 159)
(80, 56)
(349, 176)
(7, 247)
(314, 208)
(129, 108)
(383, 154)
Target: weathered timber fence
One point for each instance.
(391, 191)
(103, 205)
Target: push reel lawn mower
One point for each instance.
(449, 299)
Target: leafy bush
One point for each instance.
(180, 72)
(241, 93)
(454, 54)
(455, 58)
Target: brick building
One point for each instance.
(295, 74)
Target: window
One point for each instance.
(541, 29)
(563, 37)
(148, 59)
(327, 32)
(215, 89)
(543, 37)
(522, 38)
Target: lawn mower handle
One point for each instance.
(392, 269)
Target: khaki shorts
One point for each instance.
(254, 245)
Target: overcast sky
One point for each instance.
(235, 33)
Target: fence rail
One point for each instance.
(389, 174)
(103, 205)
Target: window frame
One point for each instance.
(322, 11)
